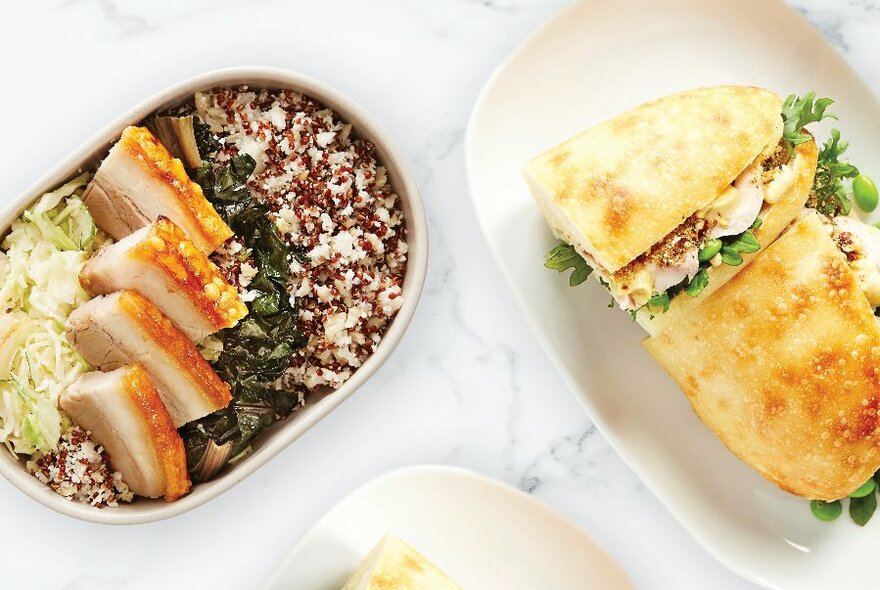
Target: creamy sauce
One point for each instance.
(863, 254)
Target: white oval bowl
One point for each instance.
(280, 435)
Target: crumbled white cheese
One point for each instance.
(246, 274)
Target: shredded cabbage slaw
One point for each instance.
(39, 287)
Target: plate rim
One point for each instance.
(446, 472)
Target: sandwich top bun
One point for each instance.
(615, 190)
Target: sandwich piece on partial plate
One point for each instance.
(161, 263)
(394, 565)
(668, 201)
(783, 362)
(124, 413)
(138, 181)
(125, 328)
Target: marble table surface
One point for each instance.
(468, 385)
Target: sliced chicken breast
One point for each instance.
(124, 413)
(125, 328)
(138, 181)
(736, 215)
(160, 263)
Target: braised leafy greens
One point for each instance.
(257, 351)
(206, 141)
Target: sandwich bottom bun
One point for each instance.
(782, 364)
(775, 218)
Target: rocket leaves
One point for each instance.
(800, 111)
(563, 257)
(829, 194)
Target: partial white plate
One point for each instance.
(482, 533)
(594, 60)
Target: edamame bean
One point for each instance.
(865, 193)
(866, 488)
(826, 511)
(709, 251)
(730, 256)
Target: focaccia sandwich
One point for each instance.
(670, 200)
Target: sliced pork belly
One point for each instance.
(124, 413)
(160, 262)
(125, 328)
(138, 181)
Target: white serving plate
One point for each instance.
(592, 61)
(275, 439)
(484, 534)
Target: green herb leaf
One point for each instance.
(698, 283)
(757, 223)
(563, 257)
(798, 112)
(862, 509)
(829, 194)
(660, 300)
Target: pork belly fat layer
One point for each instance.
(161, 263)
(124, 413)
(138, 181)
(126, 328)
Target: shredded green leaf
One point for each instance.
(39, 287)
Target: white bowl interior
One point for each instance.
(281, 434)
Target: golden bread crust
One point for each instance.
(626, 183)
(783, 364)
